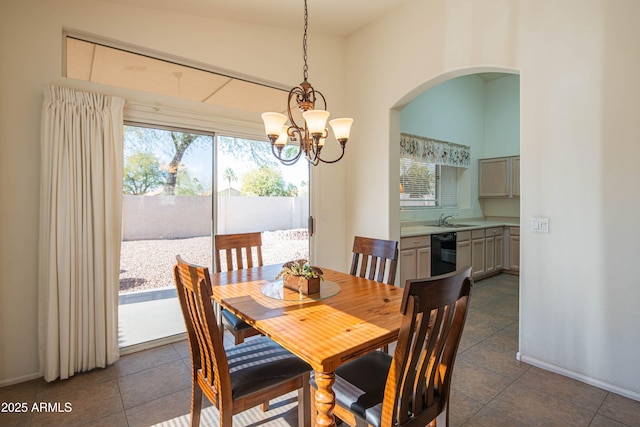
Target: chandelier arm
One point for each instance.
(332, 161)
(314, 146)
(316, 94)
(286, 162)
(291, 133)
(300, 135)
(314, 162)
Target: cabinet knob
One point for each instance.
(416, 241)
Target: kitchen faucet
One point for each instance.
(443, 220)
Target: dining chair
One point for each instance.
(410, 388)
(242, 377)
(372, 258)
(238, 249)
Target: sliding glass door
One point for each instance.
(181, 187)
(167, 211)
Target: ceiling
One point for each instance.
(337, 17)
(113, 66)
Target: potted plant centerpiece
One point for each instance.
(300, 276)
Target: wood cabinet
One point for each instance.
(478, 253)
(488, 251)
(499, 177)
(514, 248)
(515, 176)
(463, 249)
(482, 249)
(415, 258)
(494, 253)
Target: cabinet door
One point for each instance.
(408, 266)
(514, 252)
(477, 257)
(424, 262)
(490, 254)
(463, 254)
(493, 178)
(499, 257)
(515, 177)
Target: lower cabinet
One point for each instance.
(463, 249)
(478, 246)
(514, 249)
(482, 249)
(487, 250)
(415, 258)
(494, 252)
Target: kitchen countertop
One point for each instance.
(411, 230)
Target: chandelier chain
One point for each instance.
(305, 69)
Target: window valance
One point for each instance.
(431, 150)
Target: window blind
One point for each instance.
(448, 186)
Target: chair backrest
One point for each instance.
(205, 339)
(243, 245)
(372, 258)
(434, 312)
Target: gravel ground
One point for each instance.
(147, 264)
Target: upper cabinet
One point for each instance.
(499, 177)
(515, 176)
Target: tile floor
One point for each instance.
(490, 388)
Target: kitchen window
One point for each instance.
(425, 184)
(429, 171)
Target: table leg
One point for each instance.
(325, 399)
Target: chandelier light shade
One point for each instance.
(309, 137)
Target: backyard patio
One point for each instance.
(148, 304)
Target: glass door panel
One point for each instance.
(167, 211)
(257, 193)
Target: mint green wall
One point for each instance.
(502, 117)
(466, 110)
(451, 111)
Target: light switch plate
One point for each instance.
(540, 225)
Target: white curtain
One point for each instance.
(80, 231)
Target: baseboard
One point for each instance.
(21, 379)
(123, 351)
(579, 377)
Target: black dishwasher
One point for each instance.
(443, 253)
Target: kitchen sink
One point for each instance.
(455, 225)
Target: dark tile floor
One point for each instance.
(490, 388)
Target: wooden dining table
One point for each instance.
(361, 317)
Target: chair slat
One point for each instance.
(374, 258)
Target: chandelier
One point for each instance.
(310, 135)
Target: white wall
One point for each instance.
(579, 127)
(31, 56)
